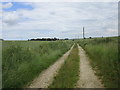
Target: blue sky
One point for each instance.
(23, 20)
(17, 5)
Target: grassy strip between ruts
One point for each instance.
(69, 73)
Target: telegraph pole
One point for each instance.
(83, 33)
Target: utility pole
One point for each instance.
(83, 33)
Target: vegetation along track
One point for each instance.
(46, 77)
(23, 59)
(104, 53)
(87, 77)
(69, 73)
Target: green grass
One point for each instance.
(23, 60)
(69, 73)
(104, 58)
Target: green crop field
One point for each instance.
(24, 60)
(104, 58)
(59, 44)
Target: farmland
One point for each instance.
(60, 44)
(104, 58)
(23, 59)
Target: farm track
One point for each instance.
(46, 77)
(87, 78)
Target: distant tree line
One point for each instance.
(47, 39)
(44, 39)
(1, 39)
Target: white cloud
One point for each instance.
(112, 31)
(10, 18)
(62, 0)
(61, 17)
(7, 5)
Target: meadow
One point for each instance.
(103, 53)
(22, 61)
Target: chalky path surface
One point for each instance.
(87, 77)
(47, 76)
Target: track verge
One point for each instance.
(46, 77)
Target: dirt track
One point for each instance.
(47, 76)
(87, 77)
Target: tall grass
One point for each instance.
(104, 58)
(69, 73)
(24, 60)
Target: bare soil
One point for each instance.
(87, 78)
(46, 77)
